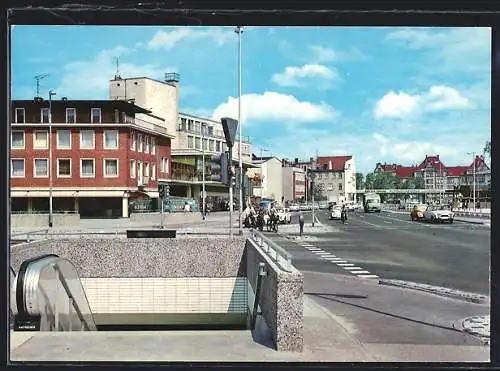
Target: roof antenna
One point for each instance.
(38, 78)
(117, 74)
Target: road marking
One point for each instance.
(360, 272)
(388, 222)
(352, 268)
(346, 265)
(367, 276)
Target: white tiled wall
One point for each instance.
(167, 295)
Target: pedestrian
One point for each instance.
(301, 223)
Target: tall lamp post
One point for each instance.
(239, 31)
(51, 94)
(473, 179)
(203, 198)
(262, 150)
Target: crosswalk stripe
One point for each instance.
(360, 272)
(367, 276)
(352, 268)
(346, 265)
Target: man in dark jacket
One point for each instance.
(301, 223)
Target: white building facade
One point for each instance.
(270, 171)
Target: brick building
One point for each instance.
(103, 156)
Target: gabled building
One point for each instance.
(335, 176)
(267, 175)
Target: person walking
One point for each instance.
(301, 223)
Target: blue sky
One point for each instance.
(381, 94)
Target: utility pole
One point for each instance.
(51, 93)
(203, 202)
(239, 31)
(473, 153)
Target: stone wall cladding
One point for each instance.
(282, 299)
(142, 257)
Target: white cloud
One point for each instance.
(322, 54)
(403, 105)
(168, 39)
(272, 106)
(298, 76)
(89, 79)
(451, 50)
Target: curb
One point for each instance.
(437, 290)
(472, 222)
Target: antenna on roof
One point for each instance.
(117, 74)
(38, 78)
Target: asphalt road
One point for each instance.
(390, 246)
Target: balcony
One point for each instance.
(142, 124)
(215, 134)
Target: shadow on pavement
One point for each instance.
(345, 296)
(326, 297)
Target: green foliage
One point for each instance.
(387, 180)
(360, 184)
(487, 149)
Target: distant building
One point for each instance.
(294, 182)
(335, 176)
(268, 178)
(103, 156)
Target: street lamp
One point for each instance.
(239, 31)
(203, 208)
(473, 179)
(51, 94)
(262, 150)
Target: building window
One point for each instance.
(41, 139)
(20, 115)
(44, 115)
(87, 139)
(63, 139)
(197, 143)
(153, 171)
(146, 169)
(211, 145)
(182, 126)
(17, 168)
(95, 115)
(70, 115)
(190, 141)
(63, 167)
(87, 168)
(139, 143)
(133, 141)
(132, 169)
(110, 168)
(197, 127)
(205, 144)
(153, 145)
(117, 116)
(217, 146)
(164, 165)
(110, 139)
(146, 150)
(224, 147)
(41, 167)
(190, 125)
(340, 186)
(17, 139)
(210, 130)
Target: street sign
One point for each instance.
(229, 126)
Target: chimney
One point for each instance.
(437, 156)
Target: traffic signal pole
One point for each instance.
(161, 214)
(231, 200)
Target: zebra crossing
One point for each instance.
(338, 261)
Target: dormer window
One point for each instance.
(70, 115)
(95, 115)
(20, 117)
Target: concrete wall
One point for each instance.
(168, 218)
(281, 299)
(42, 220)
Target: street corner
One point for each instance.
(477, 326)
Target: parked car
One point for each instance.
(335, 213)
(417, 212)
(284, 215)
(439, 214)
(294, 207)
(351, 206)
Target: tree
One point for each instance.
(319, 192)
(360, 184)
(487, 149)
(370, 181)
(385, 180)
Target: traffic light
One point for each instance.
(164, 191)
(220, 168)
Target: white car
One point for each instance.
(294, 207)
(285, 216)
(439, 214)
(335, 213)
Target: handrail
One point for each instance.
(73, 302)
(268, 245)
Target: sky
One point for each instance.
(381, 94)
